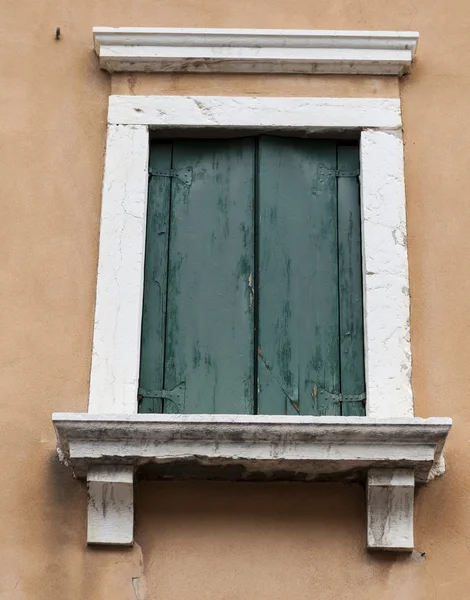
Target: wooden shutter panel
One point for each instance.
(203, 306)
(350, 282)
(209, 335)
(298, 336)
(155, 279)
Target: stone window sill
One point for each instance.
(390, 454)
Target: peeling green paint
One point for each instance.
(262, 248)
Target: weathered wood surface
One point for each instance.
(155, 277)
(209, 340)
(298, 353)
(350, 280)
(253, 242)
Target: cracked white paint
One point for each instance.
(386, 287)
(315, 446)
(116, 340)
(259, 113)
(254, 50)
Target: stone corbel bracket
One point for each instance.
(389, 454)
(151, 49)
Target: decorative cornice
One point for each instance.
(309, 448)
(150, 49)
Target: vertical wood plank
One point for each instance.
(350, 280)
(298, 353)
(209, 342)
(155, 278)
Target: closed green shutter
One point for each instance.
(208, 348)
(298, 350)
(253, 292)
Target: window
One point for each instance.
(390, 447)
(253, 290)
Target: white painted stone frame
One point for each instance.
(389, 444)
(155, 49)
(116, 342)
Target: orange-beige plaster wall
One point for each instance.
(214, 541)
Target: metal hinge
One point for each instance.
(341, 397)
(185, 175)
(341, 173)
(176, 396)
(325, 173)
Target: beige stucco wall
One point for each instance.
(208, 541)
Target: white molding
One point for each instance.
(309, 115)
(385, 275)
(119, 288)
(254, 50)
(311, 447)
(390, 507)
(307, 447)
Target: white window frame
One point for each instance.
(119, 296)
(389, 446)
